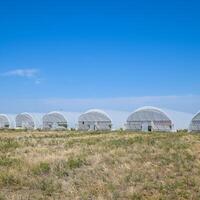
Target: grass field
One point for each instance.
(66, 165)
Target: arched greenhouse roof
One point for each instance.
(148, 113)
(70, 117)
(64, 115)
(95, 115)
(195, 123)
(35, 117)
(196, 117)
(10, 118)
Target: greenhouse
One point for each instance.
(148, 119)
(7, 121)
(29, 121)
(195, 123)
(94, 120)
(55, 120)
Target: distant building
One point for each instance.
(55, 120)
(149, 119)
(195, 123)
(7, 121)
(29, 121)
(94, 120)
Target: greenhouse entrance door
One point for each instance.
(145, 127)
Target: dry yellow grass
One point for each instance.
(118, 165)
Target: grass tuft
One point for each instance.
(74, 163)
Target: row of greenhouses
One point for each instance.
(145, 119)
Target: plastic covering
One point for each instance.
(29, 121)
(94, 120)
(55, 120)
(7, 121)
(149, 119)
(195, 123)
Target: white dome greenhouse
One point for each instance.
(55, 120)
(29, 121)
(149, 119)
(94, 120)
(7, 121)
(59, 120)
(195, 123)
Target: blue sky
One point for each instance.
(93, 51)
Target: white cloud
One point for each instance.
(27, 73)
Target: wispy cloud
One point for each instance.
(184, 103)
(27, 73)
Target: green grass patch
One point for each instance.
(8, 161)
(8, 145)
(42, 168)
(74, 163)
